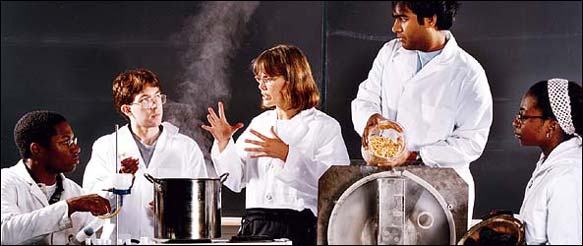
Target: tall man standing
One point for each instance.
(433, 88)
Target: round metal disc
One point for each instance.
(355, 217)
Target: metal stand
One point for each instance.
(116, 197)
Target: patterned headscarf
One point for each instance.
(561, 104)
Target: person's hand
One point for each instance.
(93, 203)
(151, 206)
(268, 147)
(220, 127)
(372, 121)
(129, 165)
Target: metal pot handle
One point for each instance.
(151, 179)
(223, 177)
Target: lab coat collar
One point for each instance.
(301, 116)
(292, 135)
(126, 139)
(21, 172)
(450, 49)
(447, 53)
(168, 130)
(567, 150)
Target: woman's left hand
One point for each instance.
(268, 147)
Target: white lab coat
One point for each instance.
(551, 209)
(445, 108)
(315, 143)
(175, 155)
(27, 217)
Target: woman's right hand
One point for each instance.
(220, 127)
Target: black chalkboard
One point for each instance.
(63, 56)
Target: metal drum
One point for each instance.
(187, 209)
(391, 208)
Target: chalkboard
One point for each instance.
(63, 56)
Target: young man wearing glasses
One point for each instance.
(144, 145)
(39, 204)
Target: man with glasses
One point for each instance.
(39, 204)
(144, 145)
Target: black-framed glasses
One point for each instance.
(521, 117)
(148, 102)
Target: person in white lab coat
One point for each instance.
(432, 87)
(39, 204)
(145, 145)
(551, 117)
(284, 151)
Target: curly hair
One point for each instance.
(35, 127)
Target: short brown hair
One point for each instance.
(130, 83)
(300, 91)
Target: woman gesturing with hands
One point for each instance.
(222, 131)
(283, 152)
(220, 128)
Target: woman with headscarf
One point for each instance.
(550, 117)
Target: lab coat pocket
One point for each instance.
(440, 122)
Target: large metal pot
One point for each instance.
(187, 209)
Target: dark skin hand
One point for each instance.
(374, 120)
(151, 206)
(379, 120)
(93, 203)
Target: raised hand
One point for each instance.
(93, 203)
(268, 147)
(219, 127)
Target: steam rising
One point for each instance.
(208, 41)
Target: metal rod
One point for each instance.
(116, 196)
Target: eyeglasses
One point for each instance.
(149, 102)
(265, 79)
(521, 117)
(70, 142)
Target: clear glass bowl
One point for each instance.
(386, 142)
